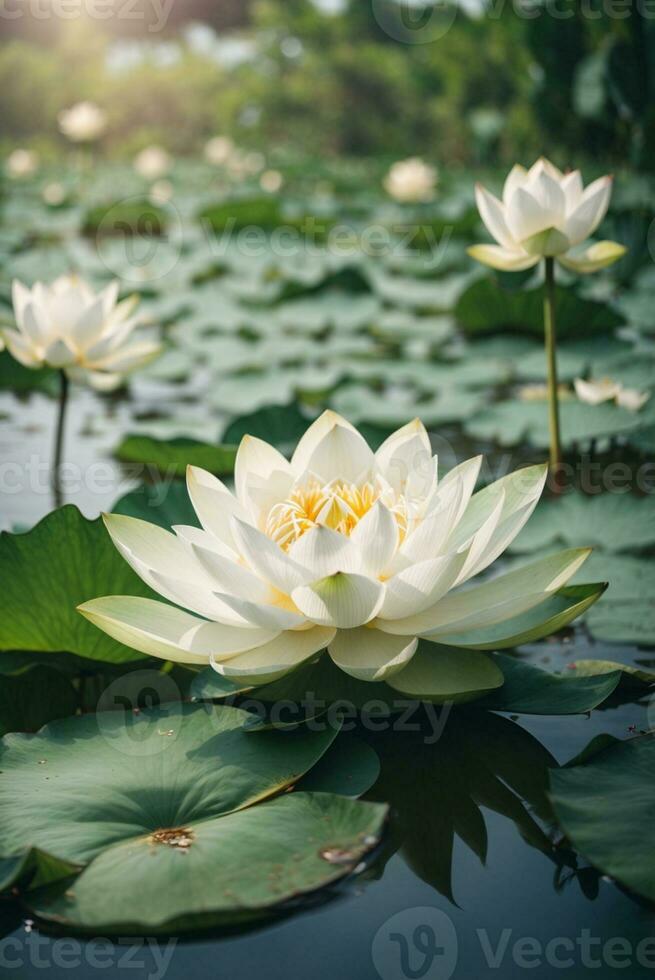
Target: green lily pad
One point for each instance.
(162, 807)
(280, 425)
(530, 690)
(171, 457)
(514, 421)
(487, 308)
(606, 807)
(627, 612)
(437, 673)
(48, 571)
(608, 521)
(161, 503)
(15, 377)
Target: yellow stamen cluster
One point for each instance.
(339, 506)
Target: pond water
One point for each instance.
(463, 885)
(517, 910)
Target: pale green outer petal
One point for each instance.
(491, 602)
(98, 380)
(481, 541)
(342, 455)
(596, 256)
(550, 242)
(128, 358)
(468, 473)
(261, 614)
(58, 354)
(260, 466)
(501, 538)
(376, 539)
(159, 630)
(519, 488)
(370, 655)
(502, 258)
(492, 212)
(343, 600)
(213, 503)
(418, 587)
(323, 552)
(405, 452)
(267, 559)
(314, 434)
(149, 548)
(584, 219)
(21, 349)
(199, 598)
(272, 660)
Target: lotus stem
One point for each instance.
(551, 360)
(59, 439)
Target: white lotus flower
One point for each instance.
(152, 162)
(271, 181)
(606, 390)
(341, 548)
(218, 150)
(411, 181)
(22, 163)
(68, 326)
(54, 193)
(83, 122)
(545, 213)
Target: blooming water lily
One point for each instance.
(87, 336)
(152, 162)
(83, 122)
(343, 548)
(411, 181)
(546, 214)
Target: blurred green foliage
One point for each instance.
(489, 87)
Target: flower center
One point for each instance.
(339, 506)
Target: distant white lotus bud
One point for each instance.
(21, 163)
(88, 335)
(83, 122)
(54, 194)
(411, 181)
(218, 150)
(152, 163)
(545, 213)
(596, 392)
(271, 181)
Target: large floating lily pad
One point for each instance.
(514, 421)
(530, 690)
(48, 571)
(608, 521)
(166, 807)
(171, 457)
(607, 806)
(486, 308)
